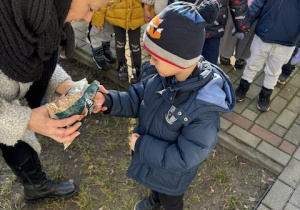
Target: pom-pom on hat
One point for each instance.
(177, 34)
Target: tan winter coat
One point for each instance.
(127, 14)
(14, 117)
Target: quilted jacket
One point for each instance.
(279, 21)
(127, 14)
(178, 125)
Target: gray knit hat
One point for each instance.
(177, 34)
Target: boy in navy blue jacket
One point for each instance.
(177, 103)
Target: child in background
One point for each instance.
(126, 16)
(215, 30)
(100, 36)
(178, 106)
(289, 67)
(232, 46)
(276, 33)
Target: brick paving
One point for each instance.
(270, 139)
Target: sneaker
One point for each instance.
(282, 78)
(224, 61)
(147, 204)
(263, 102)
(123, 70)
(99, 59)
(240, 63)
(136, 73)
(108, 53)
(241, 91)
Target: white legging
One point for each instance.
(104, 36)
(273, 56)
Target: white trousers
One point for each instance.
(104, 36)
(273, 56)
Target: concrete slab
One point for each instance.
(244, 136)
(278, 129)
(274, 153)
(294, 105)
(297, 154)
(290, 206)
(293, 134)
(266, 119)
(295, 199)
(278, 196)
(291, 174)
(286, 118)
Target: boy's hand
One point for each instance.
(100, 99)
(147, 15)
(132, 140)
(239, 35)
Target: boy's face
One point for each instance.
(164, 69)
(84, 9)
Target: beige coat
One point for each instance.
(14, 117)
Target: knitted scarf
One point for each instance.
(30, 33)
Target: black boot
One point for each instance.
(263, 102)
(99, 58)
(242, 89)
(123, 70)
(36, 185)
(136, 74)
(148, 203)
(224, 61)
(240, 63)
(107, 52)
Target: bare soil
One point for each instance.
(97, 161)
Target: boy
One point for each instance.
(276, 34)
(177, 104)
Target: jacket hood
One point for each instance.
(213, 86)
(218, 91)
(215, 91)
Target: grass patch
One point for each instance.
(233, 202)
(221, 176)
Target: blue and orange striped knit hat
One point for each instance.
(177, 34)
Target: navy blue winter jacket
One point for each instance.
(279, 20)
(178, 125)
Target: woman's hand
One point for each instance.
(100, 99)
(41, 123)
(132, 140)
(99, 28)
